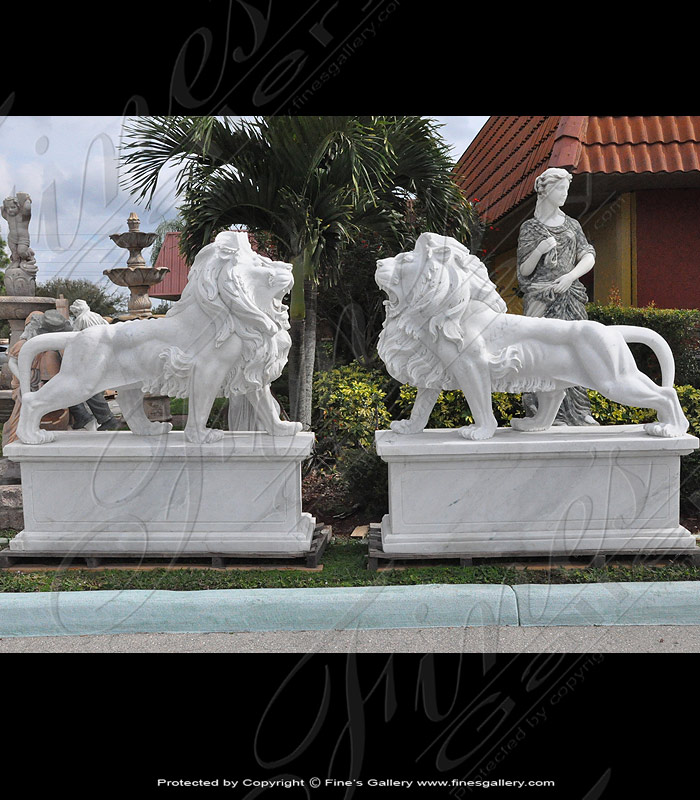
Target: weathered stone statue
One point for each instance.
(446, 327)
(553, 253)
(84, 317)
(20, 276)
(227, 335)
(99, 407)
(44, 367)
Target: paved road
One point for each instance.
(593, 639)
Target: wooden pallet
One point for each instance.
(377, 556)
(46, 561)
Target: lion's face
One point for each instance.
(407, 276)
(268, 281)
(399, 276)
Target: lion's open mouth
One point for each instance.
(384, 273)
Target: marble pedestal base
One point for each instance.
(117, 493)
(567, 491)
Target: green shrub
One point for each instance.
(679, 327)
(349, 406)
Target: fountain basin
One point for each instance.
(20, 307)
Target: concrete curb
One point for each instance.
(237, 610)
(361, 608)
(665, 603)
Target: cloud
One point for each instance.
(459, 132)
(69, 167)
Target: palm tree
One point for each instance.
(309, 182)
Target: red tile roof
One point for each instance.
(500, 166)
(640, 144)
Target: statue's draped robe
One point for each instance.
(540, 300)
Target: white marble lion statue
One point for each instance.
(227, 335)
(446, 327)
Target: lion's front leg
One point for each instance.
(267, 411)
(201, 400)
(420, 413)
(474, 378)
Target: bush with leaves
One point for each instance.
(349, 408)
(101, 301)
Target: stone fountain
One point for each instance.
(138, 277)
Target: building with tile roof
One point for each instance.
(635, 190)
(170, 288)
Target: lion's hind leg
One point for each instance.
(62, 391)
(130, 399)
(547, 406)
(640, 391)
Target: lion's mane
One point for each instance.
(450, 281)
(216, 290)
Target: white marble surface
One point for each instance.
(569, 490)
(118, 493)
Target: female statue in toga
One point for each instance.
(553, 253)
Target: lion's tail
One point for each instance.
(637, 335)
(21, 365)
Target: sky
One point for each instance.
(68, 165)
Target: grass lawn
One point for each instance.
(344, 564)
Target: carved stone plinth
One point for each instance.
(117, 493)
(566, 491)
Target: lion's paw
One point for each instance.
(406, 426)
(477, 432)
(159, 428)
(526, 424)
(663, 429)
(37, 437)
(207, 436)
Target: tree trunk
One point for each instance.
(302, 357)
(294, 365)
(306, 374)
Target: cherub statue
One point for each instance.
(20, 276)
